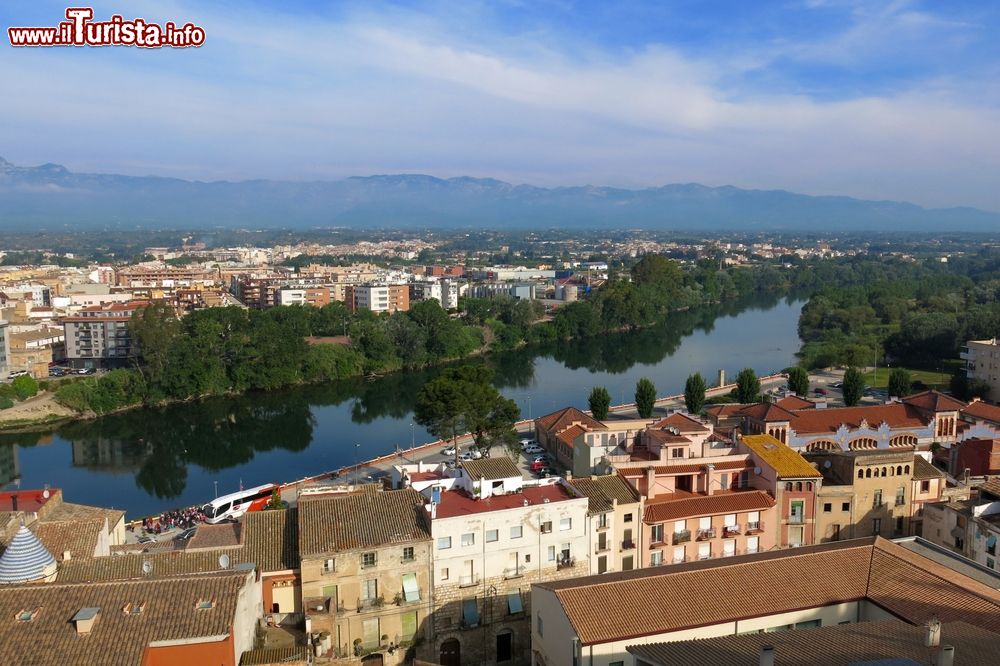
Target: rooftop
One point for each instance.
(566, 417)
(784, 460)
(333, 523)
(684, 423)
(720, 463)
(934, 401)
(458, 503)
(601, 490)
(492, 469)
(676, 506)
(982, 410)
(613, 607)
(856, 643)
(923, 470)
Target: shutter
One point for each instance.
(410, 590)
(470, 612)
(408, 626)
(514, 603)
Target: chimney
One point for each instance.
(946, 657)
(67, 555)
(932, 633)
(13, 502)
(709, 468)
(766, 655)
(722, 377)
(568, 475)
(650, 483)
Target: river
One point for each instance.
(148, 460)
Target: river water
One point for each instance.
(149, 460)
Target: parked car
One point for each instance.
(820, 391)
(525, 443)
(540, 464)
(532, 449)
(544, 472)
(85, 371)
(448, 450)
(837, 385)
(146, 539)
(470, 454)
(186, 534)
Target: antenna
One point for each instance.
(224, 561)
(826, 464)
(147, 567)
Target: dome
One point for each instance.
(26, 559)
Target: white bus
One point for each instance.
(234, 505)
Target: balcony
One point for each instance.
(754, 527)
(370, 604)
(731, 530)
(682, 537)
(513, 572)
(468, 581)
(900, 501)
(877, 504)
(566, 563)
(704, 535)
(796, 519)
(602, 549)
(679, 560)
(628, 544)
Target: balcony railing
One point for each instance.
(468, 581)
(900, 501)
(682, 537)
(369, 604)
(602, 549)
(796, 519)
(679, 560)
(628, 544)
(706, 534)
(566, 563)
(878, 504)
(755, 526)
(513, 572)
(731, 530)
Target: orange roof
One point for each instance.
(730, 409)
(934, 401)
(766, 411)
(784, 460)
(982, 410)
(895, 414)
(458, 503)
(667, 437)
(564, 418)
(667, 470)
(682, 422)
(795, 402)
(659, 510)
(570, 434)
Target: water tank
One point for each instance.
(570, 293)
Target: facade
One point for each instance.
(968, 527)
(4, 350)
(577, 440)
(366, 571)
(382, 298)
(614, 509)
(314, 296)
(98, 337)
(598, 620)
(982, 362)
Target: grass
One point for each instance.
(932, 378)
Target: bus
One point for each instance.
(234, 505)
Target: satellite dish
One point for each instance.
(757, 470)
(224, 561)
(147, 566)
(46, 493)
(826, 464)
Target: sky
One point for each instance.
(898, 99)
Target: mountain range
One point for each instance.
(50, 197)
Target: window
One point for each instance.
(704, 550)
(827, 507)
(753, 544)
(367, 560)
(516, 532)
(565, 524)
(876, 525)
(492, 535)
(547, 527)
(329, 565)
(679, 555)
(628, 518)
(878, 499)
(469, 539)
(539, 625)
(846, 506)
(444, 543)
(411, 592)
(408, 626)
(900, 496)
(552, 554)
(408, 554)
(656, 533)
(602, 520)
(809, 624)
(369, 589)
(28, 614)
(444, 573)
(925, 486)
(677, 453)
(705, 523)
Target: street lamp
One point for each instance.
(413, 441)
(216, 484)
(357, 461)
(529, 407)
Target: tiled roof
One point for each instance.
(720, 463)
(856, 643)
(601, 490)
(728, 409)
(784, 460)
(80, 539)
(333, 523)
(934, 401)
(492, 469)
(560, 420)
(25, 559)
(924, 470)
(215, 536)
(663, 509)
(458, 503)
(768, 412)
(116, 638)
(683, 423)
(614, 607)
(265, 656)
(991, 486)
(569, 435)
(983, 410)
(821, 421)
(795, 402)
(67, 511)
(667, 437)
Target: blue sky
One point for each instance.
(888, 100)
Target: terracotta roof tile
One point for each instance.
(333, 523)
(492, 469)
(682, 422)
(784, 460)
(569, 435)
(923, 470)
(983, 410)
(458, 503)
(728, 409)
(934, 401)
(768, 412)
(601, 490)
(821, 421)
(215, 536)
(661, 510)
(792, 402)
(564, 418)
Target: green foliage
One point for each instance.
(798, 381)
(645, 397)
(694, 393)
(599, 401)
(854, 386)
(7, 391)
(747, 386)
(5, 402)
(24, 387)
(900, 382)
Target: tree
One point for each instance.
(747, 386)
(645, 397)
(600, 401)
(24, 387)
(899, 382)
(854, 386)
(798, 380)
(694, 393)
(154, 329)
(657, 270)
(439, 407)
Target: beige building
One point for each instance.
(366, 566)
(970, 527)
(614, 513)
(982, 362)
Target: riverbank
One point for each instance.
(41, 409)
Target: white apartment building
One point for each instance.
(445, 292)
(4, 350)
(493, 535)
(982, 361)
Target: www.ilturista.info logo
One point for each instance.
(81, 30)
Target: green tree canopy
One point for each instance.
(900, 382)
(599, 401)
(24, 387)
(854, 386)
(798, 381)
(645, 397)
(747, 386)
(694, 393)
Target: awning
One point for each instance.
(410, 590)
(470, 612)
(514, 603)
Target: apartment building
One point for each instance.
(366, 571)
(98, 337)
(982, 362)
(613, 511)
(379, 298)
(316, 296)
(606, 620)
(33, 351)
(495, 534)
(968, 527)
(4, 350)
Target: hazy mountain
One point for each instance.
(52, 197)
